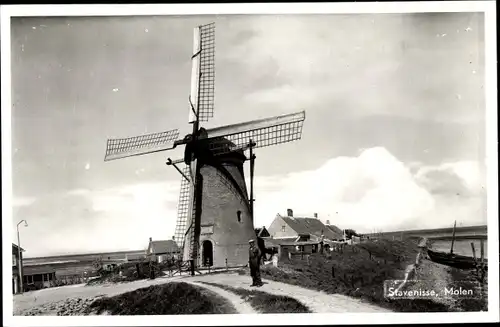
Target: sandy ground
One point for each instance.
(317, 302)
(68, 299)
(240, 305)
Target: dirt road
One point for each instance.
(317, 301)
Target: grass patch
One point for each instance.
(168, 299)
(265, 302)
(470, 305)
(359, 271)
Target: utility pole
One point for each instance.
(20, 258)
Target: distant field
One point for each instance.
(84, 257)
(74, 264)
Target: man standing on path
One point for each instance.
(254, 254)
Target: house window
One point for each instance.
(29, 279)
(283, 228)
(14, 261)
(238, 213)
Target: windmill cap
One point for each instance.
(251, 241)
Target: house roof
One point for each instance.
(299, 243)
(35, 270)
(15, 247)
(162, 247)
(309, 226)
(273, 242)
(337, 231)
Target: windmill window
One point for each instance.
(283, 228)
(238, 213)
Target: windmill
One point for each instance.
(215, 212)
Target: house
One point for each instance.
(162, 250)
(17, 259)
(302, 228)
(38, 276)
(338, 233)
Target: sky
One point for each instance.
(394, 135)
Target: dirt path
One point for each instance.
(318, 302)
(241, 305)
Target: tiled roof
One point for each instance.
(312, 226)
(162, 247)
(35, 270)
(337, 231)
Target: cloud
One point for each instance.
(324, 59)
(112, 219)
(462, 178)
(22, 201)
(367, 192)
(376, 191)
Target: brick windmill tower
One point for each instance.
(215, 211)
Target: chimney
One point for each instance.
(315, 215)
(151, 239)
(289, 212)
(173, 238)
(328, 222)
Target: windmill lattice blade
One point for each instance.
(207, 71)
(143, 144)
(182, 209)
(264, 132)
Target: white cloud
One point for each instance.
(23, 201)
(368, 192)
(469, 172)
(111, 219)
(372, 191)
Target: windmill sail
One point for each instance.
(203, 74)
(182, 209)
(190, 239)
(138, 145)
(264, 132)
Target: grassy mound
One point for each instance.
(358, 271)
(168, 299)
(265, 302)
(475, 304)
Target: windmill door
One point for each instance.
(208, 254)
